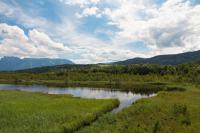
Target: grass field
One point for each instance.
(169, 112)
(22, 112)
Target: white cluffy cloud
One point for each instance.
(173, 24)
(14, 42)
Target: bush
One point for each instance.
(180, 109)
(186, 121)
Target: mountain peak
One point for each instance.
(8, 63)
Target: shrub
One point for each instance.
(179, 109)
(186, 121)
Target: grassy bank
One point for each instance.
(137, 86)
(169, 112)
(22, 112)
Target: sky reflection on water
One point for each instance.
(126, 98)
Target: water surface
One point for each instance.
(126, 98)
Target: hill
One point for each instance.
(172, 59)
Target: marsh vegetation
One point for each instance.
(175, 108)
(23, 112)
(168, 112)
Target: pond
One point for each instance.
(126, 98)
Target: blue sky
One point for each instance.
(94, 31)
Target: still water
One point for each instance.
(126, 98)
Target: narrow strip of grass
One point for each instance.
(169, 112)
(22, 112)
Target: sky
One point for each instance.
(98, 31)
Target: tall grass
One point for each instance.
(168, 112)
(23, 112)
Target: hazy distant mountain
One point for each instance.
(15, 63)
(173, 59)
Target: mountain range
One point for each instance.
(15, 63)
(172, 59)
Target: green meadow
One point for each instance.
(27, 112)
(168, 112)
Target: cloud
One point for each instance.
(22, 17)
(37, 44)
(165, 27)
(161, 26)
(174, 23)
(105, 54)
(81, 3)
(89, 12)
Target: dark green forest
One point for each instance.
(102, 75)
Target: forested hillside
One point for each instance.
(173, 59)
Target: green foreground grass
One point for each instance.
(22, 112)
(168, 112)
